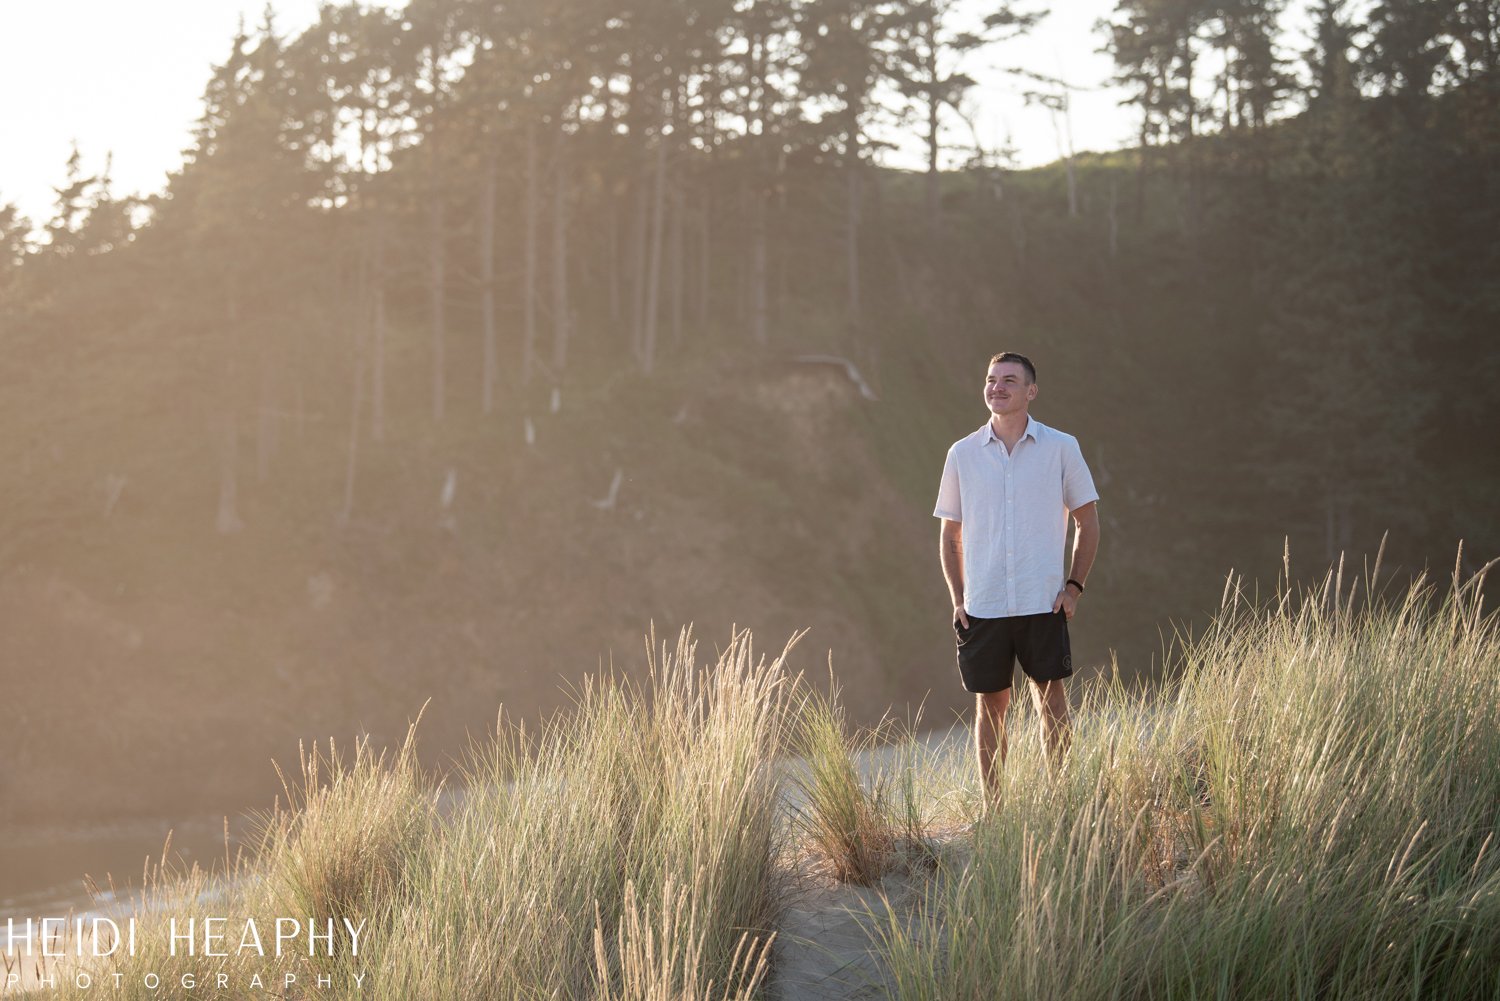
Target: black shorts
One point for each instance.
(989, 648)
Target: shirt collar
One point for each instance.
(989, 431)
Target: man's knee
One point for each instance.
(1052, 698)
(992, 705)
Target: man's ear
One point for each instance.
(1031, 392)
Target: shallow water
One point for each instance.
(49, 872)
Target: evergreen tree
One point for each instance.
(1409, 44)
(929, 57)
(1334, 79)
(1347, 318)
(1155, 45)
(75, 200)
(1475, 26)
(245, 244)
(848, 55)
(761, 81)
(15, 230)
(1256, 79)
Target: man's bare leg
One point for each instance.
(1057, 726)
(989, 739)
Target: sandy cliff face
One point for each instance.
(152, 665)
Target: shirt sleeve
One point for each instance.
(948, 505)
(1078, 482)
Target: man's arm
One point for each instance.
(1085, 541)
(951, 551)
(1085, 547)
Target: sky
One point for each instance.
(126, 79)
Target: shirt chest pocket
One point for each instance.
(1036, 485)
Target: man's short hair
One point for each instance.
(1020, 360)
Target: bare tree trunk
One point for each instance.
(612, 254)
(705, 257)
(855, 184)
(487, 278)
(653, 282)
(1193, 214)
(742, 279)
(1065, 148)
(437, 279)
(228, 519)
(356, 400)
(560, 313)
(674, 240)
(640, 236)
(755, 53)
(933, 182)
(1114, 219)
(1231, 99)
(266, 424)
(612, 262)
(778, 218)
(1140, 181)
(758, 319)
(934, 179)
(679, 208)
(377, 336)
(528, 298)
(267, 415)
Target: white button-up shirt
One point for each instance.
(1014, 510)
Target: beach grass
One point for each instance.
(867, 802)
(1305, 810)
(1308, 811)
(842, 818)
(628, 848)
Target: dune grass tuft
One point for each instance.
(840, 822)
(659, 957)
(659, 800)
(345, 843)
(860, 808)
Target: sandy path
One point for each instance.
(825, 948)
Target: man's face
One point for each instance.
(1006, 390)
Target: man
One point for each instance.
(1006, 494)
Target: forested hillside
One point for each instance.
(474, 338)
